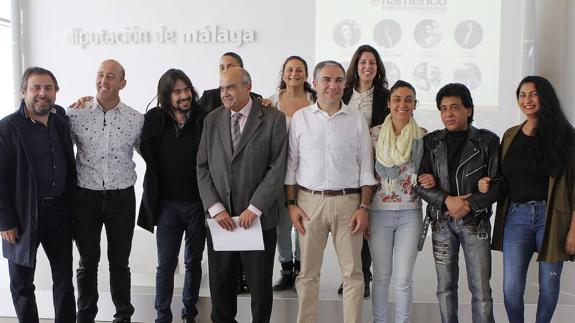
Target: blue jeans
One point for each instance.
(286, 252)
(523, 235)
(475, 240)
(393, 246)
(175, 219)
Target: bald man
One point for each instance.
(240, 169)
(105, 132)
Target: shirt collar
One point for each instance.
(119, 107)
(364, 94)
(245, 111)
(343, 110)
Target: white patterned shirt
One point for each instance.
(363, 102)
(105, 143)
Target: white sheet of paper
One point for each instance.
(238, 240)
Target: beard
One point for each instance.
(40, 108)
(179, 108)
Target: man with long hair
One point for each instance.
(171, 200)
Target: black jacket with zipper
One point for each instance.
(480, 158)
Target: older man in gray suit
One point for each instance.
(241, 166)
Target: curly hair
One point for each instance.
(554, 135)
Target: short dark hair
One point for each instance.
(236, 57)
(166, 85)
(399, 84)
(39, 71)
(323, 64)
(457, 90)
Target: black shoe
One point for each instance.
(340, 289)
(189, 320)
(286, 281)
(296, 267)
(243, 285)
(366, 280)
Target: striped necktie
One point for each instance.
(236, 133)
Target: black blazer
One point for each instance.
(211, 99)
(154, 125)
(380, 110)
(18, 199)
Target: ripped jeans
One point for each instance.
(475, 240)
(524, 230)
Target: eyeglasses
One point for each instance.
(451, 108)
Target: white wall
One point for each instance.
(555, 48)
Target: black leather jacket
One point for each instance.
(480, 158)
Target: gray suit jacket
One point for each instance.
(254, 173)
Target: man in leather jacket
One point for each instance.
(458, 156)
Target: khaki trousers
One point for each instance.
(329, 214)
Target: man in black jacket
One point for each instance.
(210, 99)
(37, 177)
(171, 200)
(458, 156)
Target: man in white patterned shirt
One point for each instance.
(329, 178)
(105, 131)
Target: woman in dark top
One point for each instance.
(366, 90)
(538, 214)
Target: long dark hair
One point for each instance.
(554, 135)
(166, 85)
(306, 86)
(352, 78)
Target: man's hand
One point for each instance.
(266, 102)
(426, 180)
(297, 215)
(359, 221)
(457, 206)
(11, 235)
(483, 185)
(225, 221)
(79, 104)
(247, 218)
(570, 242)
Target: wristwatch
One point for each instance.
(291, 202)
(365, 207)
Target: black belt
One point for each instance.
(50, 201)
(104, 192)
(344, 191)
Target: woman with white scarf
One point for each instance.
(396, 217)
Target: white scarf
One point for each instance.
(392, 150)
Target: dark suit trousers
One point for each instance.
(116, 211)
(258, 267)
(55, 235)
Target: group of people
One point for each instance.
(343, 157)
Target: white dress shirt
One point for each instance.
(219, 207)
(329, 153)
(105, 143)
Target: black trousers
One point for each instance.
(55, 235)
(115, 211)
(258, 267)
